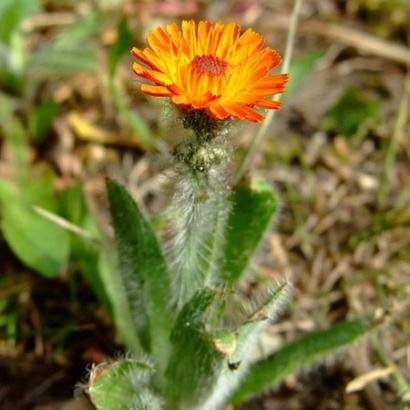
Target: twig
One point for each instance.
(402, 385)
(293, 23)
(58, 220)
(45, 20)
(364, 42)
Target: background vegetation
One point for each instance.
(338, 153)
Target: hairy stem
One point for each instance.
(201, 207)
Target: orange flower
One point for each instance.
(211, 67)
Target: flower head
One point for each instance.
(211, 67)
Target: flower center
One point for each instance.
(211, 65)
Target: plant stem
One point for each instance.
(402, 385)
(391, 149)
(256, 142)
(200, 201)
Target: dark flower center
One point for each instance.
(211, 65)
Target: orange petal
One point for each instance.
(137, 53)
(155, 60)
(228, 37)
(157, 42)
(155, 76)
(204, 32)
(155, 90)
(235, 109)
(254, 116)
(175, 36)
(180, 100)
(266, 103)
(189, 35)
(217, 31)
(217, 111)
(250, 40)
(270, 85)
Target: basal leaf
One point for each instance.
(39, 243)
(11, 15)
(57, 62)
(76, 34)
(122, 385)
(135, 122)
(122, 45)
(17, 144)
(195, 360)
(40, 120)
(7, 107)
(299, 69)
(353, 111)
(143, 271)
(246, 342)
(299, 354)
(249, 218)
(84, 252)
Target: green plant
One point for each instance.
(199, 353)
(36, 222)
(179, 312)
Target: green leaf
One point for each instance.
(122, 385)
(84, 252)
(59, 62)
(195, 360)
(12, 12)
(299, 354)
(77, 34)
(249, 218)
(40, 120)
(40, 190)
(39, 243)
(353, 112)
(7, 107)
(17, 144)
(118, 299)
(120, 47)
(143, 271)
(299, 69)
(246, 342)
(134, 121)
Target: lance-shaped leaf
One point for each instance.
(39, 243)
(251, 213)
(85, 252)
(299, 354)
(197, 356)
(246, 341)
(122, 385)
(143, 272)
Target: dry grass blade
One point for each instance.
(360, 382)
(256, 142)
(58, 220)
(364, 42)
